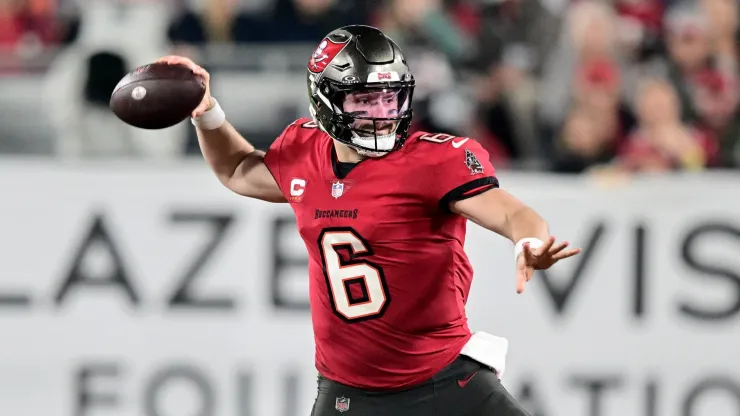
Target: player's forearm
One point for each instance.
(224, 149)
(526, 223)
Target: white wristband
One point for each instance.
(211, 119)
(533, 244)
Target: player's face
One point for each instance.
(373, 104)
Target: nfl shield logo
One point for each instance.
(342, 404)
(337, 189)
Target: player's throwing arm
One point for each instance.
(236, 163)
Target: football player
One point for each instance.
(383, 216)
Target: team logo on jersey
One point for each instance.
(472, 163)
(324, 54)
(342, 404)
(337, 189)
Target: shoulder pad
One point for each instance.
(442, 142)
(434, 137)
(440, 147)
(306, 123)
(299, 131)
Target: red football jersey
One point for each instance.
(388, 275)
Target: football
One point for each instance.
(157, 96)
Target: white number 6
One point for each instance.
(342, 275)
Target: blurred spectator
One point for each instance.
(219, 17)
(10, 27)
(691, 63)
(512, 40)
(589, 34)
(425, 23)
(240, 21)
(662, 141)
(581, 144)
(723, 16)
(718, 92)
(534, 80)
(597, 98)
(196, 22)
(311, 20)
(27, 23)
(187, 27)
(702, 64)
(639, 27)
(115, 36)
(299, 20)
(30, 28)
(715, 98)
(516, 33)
(689, 53)
(493, 124)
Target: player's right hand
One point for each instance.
(207, 102)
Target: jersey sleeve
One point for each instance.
(462, 170)
(275, 156)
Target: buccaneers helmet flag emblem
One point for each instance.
(324, 54)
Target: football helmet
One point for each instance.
(360, 90)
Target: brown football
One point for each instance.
(157, 96)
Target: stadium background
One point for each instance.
(132, 283)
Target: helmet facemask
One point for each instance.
(371, 118)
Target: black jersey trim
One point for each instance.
(467, 190)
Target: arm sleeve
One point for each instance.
(461, 173)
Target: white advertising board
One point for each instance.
(136, 290)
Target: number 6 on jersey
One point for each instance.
(357, 288)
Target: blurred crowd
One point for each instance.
(562, 85)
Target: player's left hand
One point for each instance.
(539, 259)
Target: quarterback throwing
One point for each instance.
(383, 216)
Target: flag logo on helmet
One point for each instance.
(324, 54)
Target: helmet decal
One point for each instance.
(324, 54)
